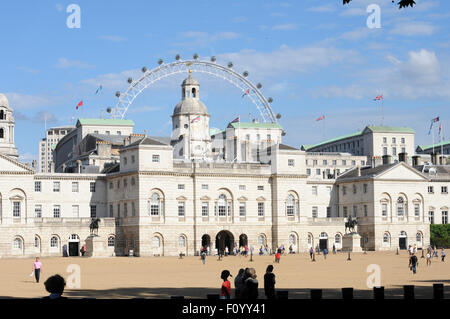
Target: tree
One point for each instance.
(440, 235)
(401, 3)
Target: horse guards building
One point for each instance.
(162, 196)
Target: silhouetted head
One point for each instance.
(269, 268)
(55, 284)
(225, 274)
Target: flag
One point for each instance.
(321, 118)
(79, 104)
(379, 97)
(195, 119)
(236, 120)
(246, 92)
(99, 89)
(436, 119)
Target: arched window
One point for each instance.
(403, 233)
(400, 207)
(386, 238)
(2, 133)
(156, 242)
(290, 205)
(54, 242)
(155, 204)
(181, 241)
(193, 92)
(222, 205)
(337, 238)
(419, 237)
(323, 235)
(309, 240)
(261, 240)
(292, 239)
(17, 243)
(37, 242)
(111, 241)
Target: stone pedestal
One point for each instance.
(96, 247)
(351, 242)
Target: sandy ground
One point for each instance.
(162, 277)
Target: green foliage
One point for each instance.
(440, 235)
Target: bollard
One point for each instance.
(422, 254)
(378, 293)
(349, 256)
(438, 291)
(282, 294)
(397, 251)
(408, 291)
(347, 293)
(314, 257)
(212, 296)
(176, 297)
(316, 293)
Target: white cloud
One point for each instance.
(27, 101)
(324, 8)
(64, 63)
(413, 28)
(113, 38)
(144, 109)
(28, 70)
(285, 27)
(59, 7)
(114, 81)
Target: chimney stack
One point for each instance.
(417, 160)
(403, 157)
(387, 159)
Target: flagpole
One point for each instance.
(442, 145)
(433, 145)
(323, 128)
(189, 148)
(382, 111)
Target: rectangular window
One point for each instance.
(242, 210)
(328, 212)
(384, 210)
(125, 209)
(291, 162)
(393, 140)
(119, 133)
(37, 186)
(365, 188)
(56, 186)
(403, 140)
(416, 210)
(353, 163)
(133, 159)
(92, 187)
(318, 171)
(111, 211)
(308, 171)
(385, 151)
(314, 162)
(314, 190)
(118, 210)
(111, 185)
(56, 211)
(334, 162)
(325, 162)
(444, 217)
(180, 186)
(362, 163)
(344, 162)
(125, 182)
(204, 186)
(180, 209)
(355, 211)
(38, 211)
(315, 212)
(242, 187)
(328, 190)
(260, 209)
(394, 151)
(430, 189)
(344, 190)
(75, 211)
(260, 187)
(345, 211)
(93, 211)
(205, 209)
(444, 189)
(133, 209)
(431, 217)
(365, 210)
(155, 158)
(74, 187)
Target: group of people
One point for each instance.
(246, 284)
(431, 252)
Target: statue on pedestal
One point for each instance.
(94, 226)
(350, 224)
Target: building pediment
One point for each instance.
(242, 199)
(205, 198)
(401, 171)
(16, 198)
(181, 198)
(8, 164)
(260, 199)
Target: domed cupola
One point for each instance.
(190, 123)
(7, 146)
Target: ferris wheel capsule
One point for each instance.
(259, 85)
(245, 73)
(230, 64)
(213, 59)
(270, 100)
(130, 80)
(118, 93)
(160, 61)
(177, 57)
(144, 69)
(195, 56)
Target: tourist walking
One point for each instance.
(325, 252)
(269, 283)
(250, 290)
(37, 265)
(278, 255)
(83, 250)
(203, 256)
(225, 290)
(428, 259)
(239, 283)
(413, 263)
(311, 252)
(334, 249)
(442, 255)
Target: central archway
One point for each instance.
(224, 239)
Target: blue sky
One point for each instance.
(313, 57)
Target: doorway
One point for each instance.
(402, 241)
(74, 245)
(224, 239)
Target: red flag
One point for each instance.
(379, 97)
(237, 119)
(195, 119)
(321, 118)
(80, 104)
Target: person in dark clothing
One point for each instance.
(413, 262)
(239, 283)
(55, 286)
(250, 290)
(269, 283)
